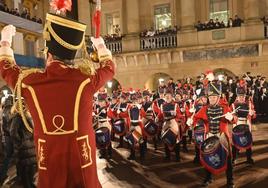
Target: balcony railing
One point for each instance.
(19, 22)
(158, 42)
(115, 46)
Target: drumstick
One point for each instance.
(217, 117)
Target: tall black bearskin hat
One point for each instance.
(63, 36)
(115, 95)
(214, 88)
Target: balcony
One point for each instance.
(21, 23)
(158, 42)
(115, 46)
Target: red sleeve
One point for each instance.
(201, 115)
(9, 71)
(103, 74)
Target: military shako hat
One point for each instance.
(214, 88)
(63, 36)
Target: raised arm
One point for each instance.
(8, 68)
(107, 67)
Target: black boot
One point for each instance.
(102, 153)
(184, 144)
(177, 152)
(110, 151)
(190, 134)
(229, 173)
(207, 180)
(197, 157)
(120, 142)
(167, 153)
(234, 152)
(132, 154)
(249, 156)
(143, 148)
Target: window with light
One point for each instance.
(113, 24)
(162, 16)
(219, 9)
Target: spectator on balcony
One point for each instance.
(2, 7)
(211, 24)
(199, 26)
(34, 19)
(150, 32)
(39, 21)
(24, 13)
(230, 22)
(237, 21)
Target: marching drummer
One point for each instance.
(103, 121)
(170, 114)
(243, 117)
(216, 116)
(201, 100)
(121, 113)
(135, 115)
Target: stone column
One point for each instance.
(187, 14)
(84, 15)
(266, 12)
(251, 11)
(131, 26)
(132, 17)
(253, 28)
(187, 35)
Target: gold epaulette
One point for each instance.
(17, 92)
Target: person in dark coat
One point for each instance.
(24, 149)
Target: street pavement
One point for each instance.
(154, 172)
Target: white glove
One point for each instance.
(182, 110)
(7, 33)
(189, 121)
(229, 116)
(194, 97)
(192, 110)
(103, 53)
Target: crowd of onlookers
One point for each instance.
(217, 24)
(24, 14)
(159, 32)
(112, 37)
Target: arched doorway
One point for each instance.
(112, 85)
(153, 82)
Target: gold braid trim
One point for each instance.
(85, 65)
(17, 92)
(10, 61)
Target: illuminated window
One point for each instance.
(162, 16)
(219, 9)
(113, 23)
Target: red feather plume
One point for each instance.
(61, 5)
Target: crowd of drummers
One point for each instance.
(178, 116)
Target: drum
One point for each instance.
(119, 127)
(150, 128)
(199, 134)
(214, 153)
(134, 137)
(242, 137)
(170, 134)
(103, 137)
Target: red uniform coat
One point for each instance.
(60, 102)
